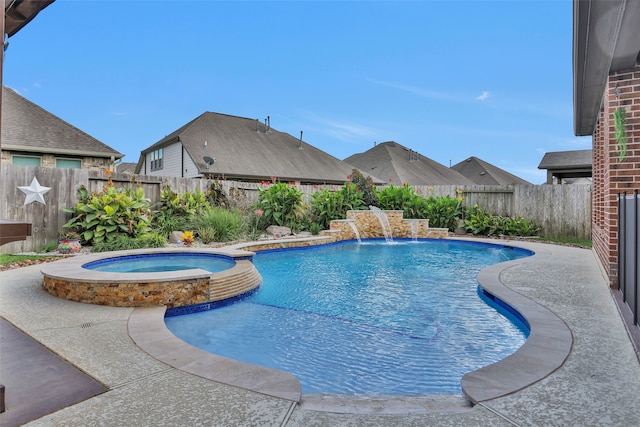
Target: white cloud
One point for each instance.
(483, 97)
(344, 131)
(418, 91)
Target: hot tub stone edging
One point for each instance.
(67, 279)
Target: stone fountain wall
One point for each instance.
(369, 226)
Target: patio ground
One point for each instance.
(599, 383)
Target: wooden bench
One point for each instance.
(13, 231)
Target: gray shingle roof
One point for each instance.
(483, 173)
(244, 148)
(126, 167)
(393, 162)
(28, 127)
(578, 159)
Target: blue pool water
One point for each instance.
(372, 318)
(145, 263)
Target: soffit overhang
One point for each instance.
(606, 39)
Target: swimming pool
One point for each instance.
(370, 318)
(152, 262)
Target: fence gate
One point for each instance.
(628, 250)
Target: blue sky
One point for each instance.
(448, 79)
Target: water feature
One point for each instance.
(384, 222)
(369, 318)
(414, 230)
(355, 230)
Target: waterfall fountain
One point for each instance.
(414, 230)
(355, 230)
(384, 222)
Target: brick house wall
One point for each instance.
(611, 175)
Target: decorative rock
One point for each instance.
(278, 231)
(175, 237)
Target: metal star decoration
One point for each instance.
(35, 192)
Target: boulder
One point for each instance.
(278, 231)
(175, 237)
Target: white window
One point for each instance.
(26, 161)
(69, 163)
(155, 158)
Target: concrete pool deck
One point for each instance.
(598, 383)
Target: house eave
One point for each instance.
(62, 151)
(605, 40)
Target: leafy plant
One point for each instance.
(254, 224)
(166, 221)
(48, 247)
(402, 198)
(106, 215)
(185, 205)
(479, 222)
(281, 204)
(315, 228)
(365, 187)
(619, 116)
(443, 211)
(122, 243)
(216, 195)
(187, 238)
(218, 223)
(327, 205)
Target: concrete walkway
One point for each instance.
(599, 383)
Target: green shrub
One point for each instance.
(281, 204)
(219, 224)
(402, 198)
(123, 243)
(216, 195)
(443, 211)
(327, 205)
(109, 214)
(254, 224)
(479, 222)
(165, 222)
(315, 228)
(365, 187)
(182, 205)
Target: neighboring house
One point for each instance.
(606, 76)
(31, 136)
(568, 167)
(126, 167)
(483, 173)
(237, 148)
(396, 164)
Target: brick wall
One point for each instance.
(611, 175)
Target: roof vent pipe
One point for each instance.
(257, 125)
(300, 147)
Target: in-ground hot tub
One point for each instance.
(76, 278)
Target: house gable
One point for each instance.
(239, 148)
(29, 130)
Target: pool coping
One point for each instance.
(71, 267)
(546, 349)
(548, 346)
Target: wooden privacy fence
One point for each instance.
(561, 210)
